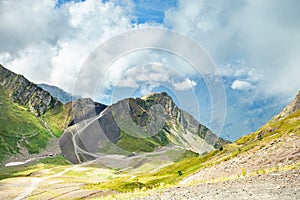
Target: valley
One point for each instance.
(145, 148)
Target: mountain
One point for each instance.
(31, 119)
(58, 93)
(137, 126)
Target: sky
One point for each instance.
(254, 44)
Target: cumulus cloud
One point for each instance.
(48, 43)
(185, 85)
(154, 75)
(241, 85)
(128, 82)
(25, 22)
(253, 31)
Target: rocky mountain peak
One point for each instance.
(156, 96)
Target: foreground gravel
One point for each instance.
(279, 185)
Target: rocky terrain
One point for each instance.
(273, 186)
(137, 125)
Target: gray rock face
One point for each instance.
(81, 142)
(24, 92)
(85, 108)
(151, 120)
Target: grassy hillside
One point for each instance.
(19, 128)
(58, 118)
(247, 145)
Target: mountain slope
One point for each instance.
(31, 118)
(273, 147)
(23, 92)
(23, 125)
(20, 130)
(137, 125)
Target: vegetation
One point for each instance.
(15, 132)
(28, 169)
(177, 171)
(134, 144)
(58, 118)
(170, 175)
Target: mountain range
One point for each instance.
(32, 118)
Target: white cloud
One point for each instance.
(251, 30)
(128, 82)
(185, 85)
(241, 85)
(149, 76)
(49, 44)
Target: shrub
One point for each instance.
(180, 173)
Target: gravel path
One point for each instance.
(271, 186)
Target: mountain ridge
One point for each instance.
(25, 92)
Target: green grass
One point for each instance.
(58, 118)
(28, 169)
(19, 127)
(135, 144)
(166, 176)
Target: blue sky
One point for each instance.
(145, 11)
(152, 11)
(254, 44)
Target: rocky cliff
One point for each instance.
(24, 92)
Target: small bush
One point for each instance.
(180, 173)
